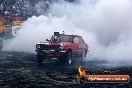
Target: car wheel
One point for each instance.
(69, 58)
(39, 59)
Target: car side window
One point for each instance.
(76, 40)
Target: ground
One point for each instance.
(20, 70)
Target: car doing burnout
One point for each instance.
(63, 47)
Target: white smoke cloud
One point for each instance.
(105, 25)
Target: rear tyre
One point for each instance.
(39, 59)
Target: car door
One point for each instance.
(81, 45)
(76, 46)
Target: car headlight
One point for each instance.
(61, 47)
(38, 46)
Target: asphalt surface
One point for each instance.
(20, 70)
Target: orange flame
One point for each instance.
(81, 71)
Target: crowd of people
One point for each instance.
(23, 8)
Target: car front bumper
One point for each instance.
(51, 53)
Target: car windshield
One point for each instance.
(66, 38)
(62, 38)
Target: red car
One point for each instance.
(62, 47)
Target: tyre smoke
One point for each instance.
(105, 25)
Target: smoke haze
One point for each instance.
(105, 25)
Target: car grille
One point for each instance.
(48, 47)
